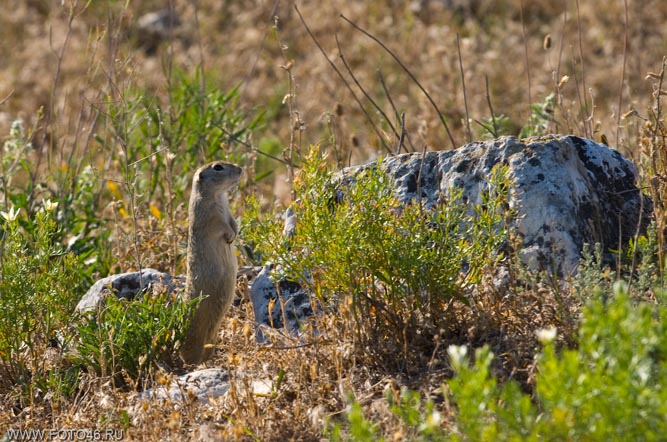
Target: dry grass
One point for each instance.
(238, 42)
(66, 59)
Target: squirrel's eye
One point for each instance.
(218, 167)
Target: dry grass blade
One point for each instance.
(463, 83)
(407, 71)
(619, 111)
(401, 117)
(378, 132)
(361, 88)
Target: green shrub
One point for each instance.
(541, 119)
(416, 420)
(159, 143)
(610, 388)
(637, 262)
(71, 187)
(126, 339)
(494, 127)
(401, 266)
(40, 284)
(360, 429)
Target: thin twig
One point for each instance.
(267, 27)
(200, 48)
(48, 131)
(636, 238)
(236, 139)
(345, 82)
(576, 84)
(393, 106)
(557, 80)
(619, 111)
(658, 117)
(419, 181)
(400, 141)
(587, 126)
(525, 54)
(296, 123)
(162, 149)
(363, 91)
(168, 61)
(463, 83)
(407, 71)
(7, 97)
(488, 100)
(560, 47)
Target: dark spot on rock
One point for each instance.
(577, 142)
(411, 183)
(538, 179)
(463, 167)
(289, 286)
(432, 162)
(535, 162)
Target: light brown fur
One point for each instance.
(212, 263)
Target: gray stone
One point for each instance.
(206, 384)
(278, 304)
(155, 27)
(203, 384)
(127, 286)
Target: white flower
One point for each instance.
(11, 215)
(17, 139)
(546, 335)
(49, 205)
(457, 354)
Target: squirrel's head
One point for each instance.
(217, 177)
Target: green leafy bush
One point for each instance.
(126, 339)
(401, 266)
(360, 428)
(610, 388)
(637, 262)
(158, 143)
(71, 187)
(40, 283)
(541, 118)
(417, 420)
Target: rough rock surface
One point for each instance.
(567, 191)
(206, 384)
(283, 304)
(128, 285)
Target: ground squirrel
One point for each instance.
(212, 264)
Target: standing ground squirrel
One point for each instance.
(212, 264)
